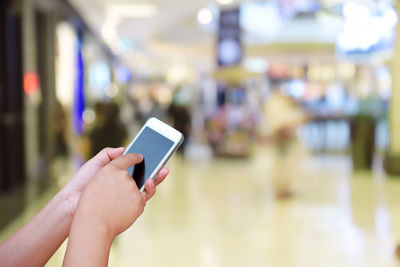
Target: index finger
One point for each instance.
(125, 161)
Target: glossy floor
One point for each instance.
(225, 212)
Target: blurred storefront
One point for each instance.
(337, 77)
(12, 166)
(53, 67)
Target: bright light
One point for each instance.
(179, 73)
(261, 19)
(390, 18)
(225, 2)
(355, 11)
(258, 65)
(108, 32)
(99, 76)
(65, 63)
(112, 91)
(204, 16)
(89, 116)
(113, 19)
(133, 10)
(364, 28)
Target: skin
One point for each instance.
(37, 241)
(101, 216)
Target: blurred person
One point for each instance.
(61, 148)
(181, 121)
(60, 131)
(283, 118)
(144, 107)
(179, 113)
(216, 130)
(99, 202)
(158, 110)
(150, 106)
(108, 131)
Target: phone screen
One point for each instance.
(153, 146)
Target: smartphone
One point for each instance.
(156, 141)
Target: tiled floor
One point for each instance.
(224, 213)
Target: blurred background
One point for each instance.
(290, 111)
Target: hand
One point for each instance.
(109, 204)
(72, 191)
(112, 199)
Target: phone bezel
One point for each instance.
(168, 132)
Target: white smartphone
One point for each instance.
(156, 141)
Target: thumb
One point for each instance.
(106, 156)
(115, 152)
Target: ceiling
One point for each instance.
(173, 34)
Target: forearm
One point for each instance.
(36, 242)
(89, 244)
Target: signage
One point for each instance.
(229, 47)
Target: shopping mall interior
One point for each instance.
(290, 111)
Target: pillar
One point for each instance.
(392, 160)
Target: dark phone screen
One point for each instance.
(153, 146)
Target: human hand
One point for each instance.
(112, 200)
(73, 189)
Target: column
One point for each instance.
(392, 160)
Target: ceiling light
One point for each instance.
(204, 16)
(133, 10)
(108, 32)
(258, 65)
(225, 2)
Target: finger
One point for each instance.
(149, 189)
(106, 155)
(161, 175)
(125, 161)
(116, 152)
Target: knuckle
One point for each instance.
(135, 156)
(105, 149)
(123, 173)
(126, 174)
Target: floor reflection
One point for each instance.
(224, 213)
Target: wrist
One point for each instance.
(94, 224)
(67, 204)
(105, 232)
(94, 230)
(89, 241)
(72, 202)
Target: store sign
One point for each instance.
(229, 47)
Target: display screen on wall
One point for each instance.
(229, 47)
